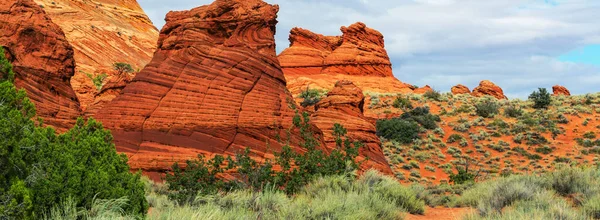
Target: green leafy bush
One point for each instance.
(98, 80)
(399, 130)
(6, 71)
(41, 169)
(123, 68)
(402, 103)
(541, 98)
(487, 108)
(311, 97)
(296, 169)
(433, 95)
(423, 117)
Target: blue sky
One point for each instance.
(518, 44)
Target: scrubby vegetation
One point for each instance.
(311, 96)
(98, 80)
(41, 169)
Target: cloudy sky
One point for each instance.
(518, 44)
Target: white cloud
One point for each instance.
(445, 42)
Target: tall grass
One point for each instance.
(372, 196)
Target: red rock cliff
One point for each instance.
(318, 61)
(560, 90)
(487, 87)
(102, 32)
(344, 105)
(214, 86)
(42, 60)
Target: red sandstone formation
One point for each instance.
(460, 89)
(214, 86)
(102, 32)
(42, 60)
(423, 90)
(358, 55)
(488, 88)
(344, 105)
(110, 90)
(560, 90)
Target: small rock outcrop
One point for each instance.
(487, 87)
(344, 105)
(214, 86)
(42, 61)
(102, 32)
(320, 61)
(423, 90)
(560, 90)
(109, 91)
(460, 89)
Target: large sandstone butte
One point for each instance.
(344, 105)
(487, 87)
(102, 32)
(560, 90)
(42, 60)
(318, 62)
(214, 86)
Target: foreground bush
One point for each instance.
(399, 130)
(41, 169)
(541, 98)
(487, 108)
(567, 193)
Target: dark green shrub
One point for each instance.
(463, 176)
(513, 111)
(422, 116)
(402, 103)
(487, 108)
(41, 169)
(541, 98)
(398, 129)
(433, 95)
(454, 138)
(544, 150)
(6, 71)
(589, 135)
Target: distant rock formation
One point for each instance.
(487, 87)
(423, 90)
(460, 89)
(102, 32)
(320, 61)
(214, 86)
(344, 105)
(560, 90)
(42, 60)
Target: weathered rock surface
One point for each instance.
(423, 90)
(320, 61)
(42, 60)
(214, 86)
(460, 89)
(488, 88)
(560, 90)
(110, 90)
(102, 32)
(344, 105)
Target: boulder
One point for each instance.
(460, 89)
(560, 90)
(488, 88)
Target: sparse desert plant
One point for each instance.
(402, 103)
(433, 95)
(513, 111)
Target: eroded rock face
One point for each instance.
(344, 105)
(109, 91)
(42, 61)
(423, 90)
(320, 61)
(102, 32)
(560, 90)
(214, 86)
(460, 89)
(488, 88)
